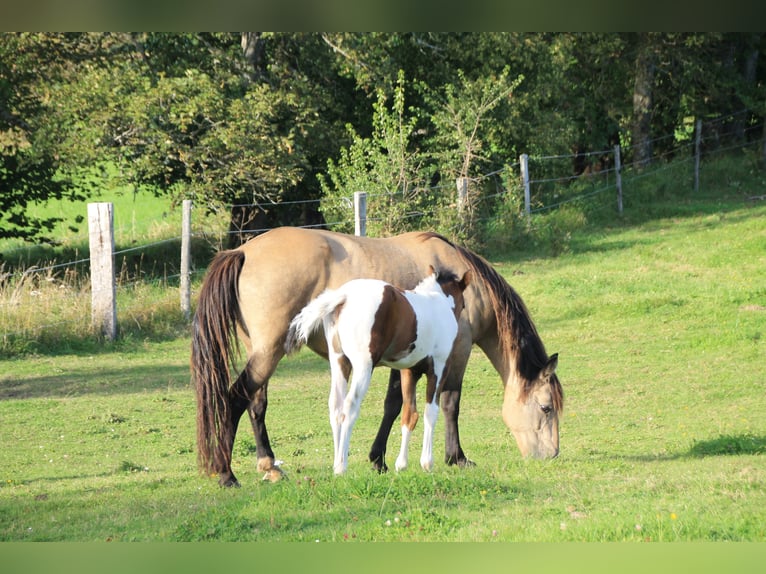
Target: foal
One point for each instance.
(368, 322)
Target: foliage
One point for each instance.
(388, 166)
(398, 177)
(30, 162)
(232, 118)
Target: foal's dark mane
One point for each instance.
(516, 331)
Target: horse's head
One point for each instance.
(453, 287)
(532, 412)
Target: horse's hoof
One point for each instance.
(459, 462)
(274, 474)
(378, 464)
(229, 482)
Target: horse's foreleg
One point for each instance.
(453, 452)
(392, 406)
(451, 387)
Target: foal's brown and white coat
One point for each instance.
(368, 322)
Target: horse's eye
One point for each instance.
(546, 408)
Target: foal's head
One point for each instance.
(452, 287)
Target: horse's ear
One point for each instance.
(466, 280)
(550, 366)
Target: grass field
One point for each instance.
(661, 330)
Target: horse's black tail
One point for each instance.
(212, 354)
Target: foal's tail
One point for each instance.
(311, 317)
(212, 353)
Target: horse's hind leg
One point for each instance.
(238, 403)
(254, 382)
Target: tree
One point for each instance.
(388, 166)
(31, 166)
(189, 115)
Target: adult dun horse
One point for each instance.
(368, 322)
(253, 292)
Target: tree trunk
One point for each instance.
(253, 50)
(246, 222)
(247, 219)
(642, 101)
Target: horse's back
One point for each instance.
(287, 267)
(328, 259)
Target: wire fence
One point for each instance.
(554, 181)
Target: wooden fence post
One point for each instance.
(102, 279)
(524, 161)
(462, 193)
(618, 177)
(697, 142)
(185, 289)
(360, 213)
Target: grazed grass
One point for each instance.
(660, 329)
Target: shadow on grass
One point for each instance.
(92, 381)
(722, 445)
(729, 444)
(96, 378)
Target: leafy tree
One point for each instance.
(388, 166)
(253, 118)
(188, 115)
(32, 169)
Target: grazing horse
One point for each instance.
(253, 292)
(368, 322)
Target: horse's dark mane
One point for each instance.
(516, 331)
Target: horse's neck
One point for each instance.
(504, 359)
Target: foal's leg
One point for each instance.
(360, 382)
(409, 415)
(340, 369)
(431, 414)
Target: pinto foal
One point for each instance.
(368, 322)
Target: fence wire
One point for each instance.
(682, 153)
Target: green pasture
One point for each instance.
(661, 330)
(141, 219)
